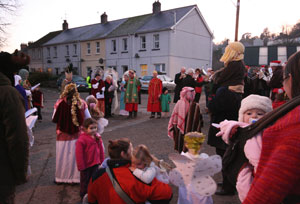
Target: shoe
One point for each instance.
(222, 192)
(57, 183)
(158, 117)
(220, 184)
(152, 116)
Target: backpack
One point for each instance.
(234, 157)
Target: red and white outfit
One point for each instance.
(154, 92)
(67, 135)
(98, 91)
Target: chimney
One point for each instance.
(23, 46)
(65, 25)
(103, 18)
(156, 7)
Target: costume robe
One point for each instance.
(131, 95)
(154, 92)
(96, 91)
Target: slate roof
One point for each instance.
(44, 39)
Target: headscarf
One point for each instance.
(24, 74)
(233, 52)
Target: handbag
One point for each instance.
(118, 188)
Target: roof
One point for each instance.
(44, 39)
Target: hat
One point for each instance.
(255, 101)
(233, 52)
(275, 63)
(194, 140)
(154, 72)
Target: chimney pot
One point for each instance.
(65, 25)
(156, 7)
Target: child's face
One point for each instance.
(92, 129)
(166, 91)
(253, 114)
(137, 163)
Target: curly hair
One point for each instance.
(71, 94)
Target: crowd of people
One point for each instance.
(260, 104)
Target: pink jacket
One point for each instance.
(252, 151)
(89, 151)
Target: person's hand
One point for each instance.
(132, 168)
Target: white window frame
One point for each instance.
(75, 49)
(156, 41)
(88, 48)
(125, 44)
(97, 47)
(48, 52)
(143, 42)
(114, 45)
(282, 53)
(162, 67)
(55, 51)
(67, 50)
(263, 56)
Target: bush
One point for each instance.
(46, 79)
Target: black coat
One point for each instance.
(225, 105)
(178, 87)
(191, 82)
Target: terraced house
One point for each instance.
(162, 40)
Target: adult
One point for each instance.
(209, 86)
(227, 100)
(98, 91)
(178, 80)
(14, 142)
(21, 90)
(154, 92)
(69, 113)
(102, 191)
(198, 89)
(122, 95)
(68, 77)
(189, 80)
(277, 177)
(108, 95)
(88, 81)
(131, 96)
(24, 74)
(277, 77)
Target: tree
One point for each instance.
(7, 9)
(265, 36)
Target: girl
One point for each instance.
(252, 109)
(165, 100)
(146, 167)
(89, 153)
(123, 90)
(96, 113)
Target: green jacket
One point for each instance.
(14, 142)
(88, 81)
(132, 88)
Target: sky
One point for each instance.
(36, 18)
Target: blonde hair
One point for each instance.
(233, 52)
(71, 94)
(141, 152)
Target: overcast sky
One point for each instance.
(36, 18)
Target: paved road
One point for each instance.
(152, 132)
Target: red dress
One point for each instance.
(154, 92)
(98, 89)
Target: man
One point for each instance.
(178, 81)
(101, 190)
(131, 95)
(88, 81)
(68, 77)
(14, 142)
(98, 91)
(190, 81)
(154, 92)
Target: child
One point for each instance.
(252, 109)
(89, 153)
(193, 171)
(96, 113)
(165, 100)
(38, 101)
(146, 167)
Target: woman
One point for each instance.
(198, 90)
(123, 90)
(108, 95)
(277, 178)
(69, 113)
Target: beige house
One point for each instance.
(92, 56)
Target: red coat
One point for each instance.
(101, 191)
(278, 170)
(101, 84)
(38, 98)
(198, 89)
(154, 92)
(89, 151)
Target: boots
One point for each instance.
(152, 115)
(158, 115)
(130, 115)
(134, 114)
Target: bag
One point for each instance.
(234, 157)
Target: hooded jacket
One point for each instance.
(14, 141)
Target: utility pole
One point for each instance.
(237, 20)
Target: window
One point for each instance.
(143, 42)
(75, 49)
(114, 45)
(97, 47)
(48, 52)
(282, 54)
(114, 67)
(263, 56)
(125, 68)
(39, 53)
(33, 54)
(160, 67)
(124, 44)
(67, 50)
(156, 41)
(88, 48)
(55, 51)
